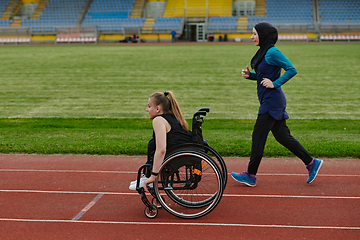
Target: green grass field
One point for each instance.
(92, 99)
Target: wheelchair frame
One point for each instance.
(180, 186)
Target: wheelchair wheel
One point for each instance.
(208, 150)
(219, 161)
(189, 184)
(216, 157)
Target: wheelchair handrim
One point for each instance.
(215, 198)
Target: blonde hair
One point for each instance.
(169, 105)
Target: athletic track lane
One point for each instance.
(87, 197)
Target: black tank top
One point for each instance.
(177, 135)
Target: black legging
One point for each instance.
(264, 124)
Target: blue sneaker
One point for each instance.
(314, 170)
(244, 178)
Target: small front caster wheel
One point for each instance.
(151, 211)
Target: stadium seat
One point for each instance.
(168, 23)
(279, 12)
(58, 13)
(339, 12)
(224, 23)
(112, 15)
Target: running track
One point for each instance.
(87, 197)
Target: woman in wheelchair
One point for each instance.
(183, 174)
(170, 130)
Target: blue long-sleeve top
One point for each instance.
(273, 100)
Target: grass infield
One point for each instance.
(92, 99)
(230, 137)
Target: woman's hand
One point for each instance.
(151, 179)
(267, 83)
(246, 72)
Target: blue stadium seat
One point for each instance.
(112, 15)
(3, 5)
(223, 23)
(339, 12)
(58, 13)
(168, 23)
(285, 11)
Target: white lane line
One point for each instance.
(183, 224)
(133, 172)
(224, 195)
(304, 174)
(290, 196)
(67, 192)
(65, 171)
(85, 209)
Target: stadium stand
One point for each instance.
(220, 19)
(110, 9)
(338, 12)
(205, 8)
(220, 8)
(112, 15)
(196, 8)
(157, 22)
(136, 11)
(245, 8)
(321, 20)
(3, 5)
(260, 8)
(4, 23)
(286, 13)
(336, 18)
(58, 13)
(148, 25)
(39, 9)
(174, 8)
(166, 24)
(154, 9)
(10, 7)
(9, 34)
(222, 23)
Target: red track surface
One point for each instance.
(87, 197)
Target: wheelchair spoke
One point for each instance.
(193, 189)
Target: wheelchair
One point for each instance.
(191, 179)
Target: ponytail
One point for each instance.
(170, 106)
